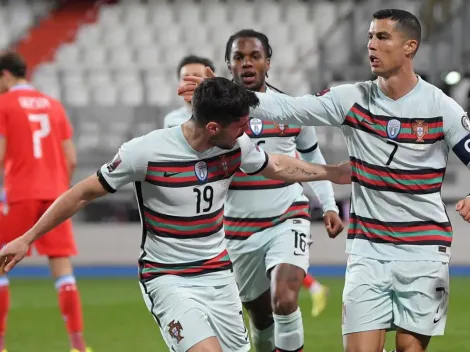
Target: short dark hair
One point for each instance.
(406, 22)
(220, 100)
(13, 63)
(193, 59)
(249, 33)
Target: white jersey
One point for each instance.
(255, 203)
(177, 117)
(398, 150)
(181, 195)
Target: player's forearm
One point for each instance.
(322, 189)
(65, 207)
(285, 168)
(305, 110)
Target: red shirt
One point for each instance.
(34, 125)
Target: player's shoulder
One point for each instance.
(445, 104)
(176, 117)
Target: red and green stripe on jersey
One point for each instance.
(149, 270)
(266, 129)
(183, 227)
(415, 131)
(380, 178)
(400, 233)
(244, 182)
(195, 172)
(243, 228)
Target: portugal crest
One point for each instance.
(282, 128)
(200, 169)
(393, 128)
(256, 126)
(174, 329)
(224, 165)
(420, 129)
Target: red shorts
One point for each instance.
(19, 217)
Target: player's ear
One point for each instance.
(268, 64)
(213, 128)
(229, 66)
(410, 47)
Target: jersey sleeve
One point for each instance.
(167, 121)
(3, 123)
(66, 129)
(326, 108)
(306, 141)
(456, 129)
(129, 165)
(253, 158)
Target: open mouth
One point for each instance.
(248, 77)
(374, 61)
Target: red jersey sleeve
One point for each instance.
(66, 127)
(3, 123)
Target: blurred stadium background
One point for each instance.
(113, 65)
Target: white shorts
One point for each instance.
(188, 314)
(383, 295)
(286, 243)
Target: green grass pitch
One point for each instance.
(116, 319)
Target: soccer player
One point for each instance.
(399, 130)
(188, 66)
(267, 222)
(38, 157)
(181, 177)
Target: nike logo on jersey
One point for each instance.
(169, 174)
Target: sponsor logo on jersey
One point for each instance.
(466, 122)
(200, 169)
(256, 126)
(174, 328)
(282, 128)
(113, 164)
(393, 128)
(420, 129)
(224, 165)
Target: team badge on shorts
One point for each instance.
(420, 129)
(174, 330)
(256, 126)
(113, 164)
(466, 122)
(200, 169)
(393, 128)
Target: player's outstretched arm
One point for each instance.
(63, 208)
(286, 168)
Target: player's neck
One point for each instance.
(398, 85)
(17, 82)
(195, 137)
(263, 88)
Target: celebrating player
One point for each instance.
(181, 176)
(188, 66)
(38, 158)
(267, 222)
(399, 130)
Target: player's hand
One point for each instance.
(190, 83)
(342, 173)
(12, 253)
(333, 223)
(463, 208)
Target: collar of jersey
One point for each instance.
(415, 89)
(22, 87)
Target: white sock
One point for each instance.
(289, 332)
(263, 340)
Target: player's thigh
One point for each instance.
(183, 320)
(367, 298)
(260, 311)
(421, 296)
(211, 344)
(365, 341)
(411, 342)
(59, 242)
(289, 245)
(250, 273)
(16, 219)
(226, 318)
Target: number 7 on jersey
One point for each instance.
(38, 134)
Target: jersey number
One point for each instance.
(38, 134)
(392, 154)
(207, 195)
(300, 242)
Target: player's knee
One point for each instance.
(407, 341)
(284, 301)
